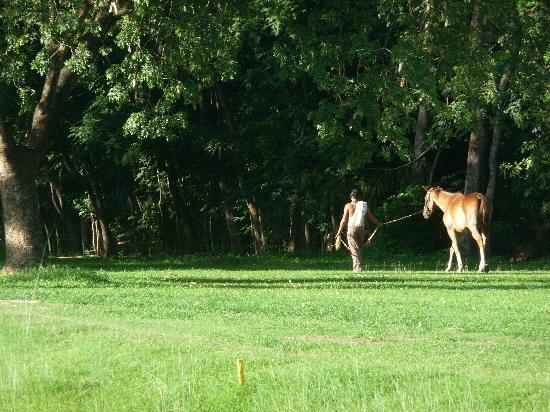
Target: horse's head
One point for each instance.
(428, 203)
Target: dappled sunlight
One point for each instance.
(21, 250)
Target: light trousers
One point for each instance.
(356, 237)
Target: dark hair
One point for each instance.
(355, 193)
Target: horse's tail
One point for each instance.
(483, 210)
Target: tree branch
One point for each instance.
(37, 134)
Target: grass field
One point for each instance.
(142, 334)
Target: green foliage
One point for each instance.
(145, 125)
(290, 103)
(83, 207)
(532, 174)
(148, 223)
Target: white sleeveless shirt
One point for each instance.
(358, 217)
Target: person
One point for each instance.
(354, 214)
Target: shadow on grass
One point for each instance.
(355, 282)
(85, 279)
(284, 261)
(205, 262)
(401, 272)
(56, 277)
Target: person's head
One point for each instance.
(355, 194)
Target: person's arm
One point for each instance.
(343, 221)
(374, 219)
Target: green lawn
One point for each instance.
(89, 334)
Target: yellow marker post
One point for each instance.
(240, 372)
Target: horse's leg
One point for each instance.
(451, 253)
(452, 235)
(481, 244)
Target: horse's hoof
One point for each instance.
(447, 269)
(484, 268)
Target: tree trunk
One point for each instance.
(161, 224)
(106, 242)
(103, 242)
(57, 204)
(256, 226)
(497, 132)
(22, 228)
(333, 228)
(493, 161)
(293, 229)
(475, 24)
(184, 233)
(499, 117)
(106, 245)
(72, 225)
(474, 174)
(307, 236)
(68, 232)
(232, 230)
(85, 234)
(264, 237)
(422, 123)
(257, 234)
(19, 168)
(478, 137)
(211, 235)
(50, 242)
(474, 166)
(493, 170)
(234, 241)
(434, 166)
(93, 229)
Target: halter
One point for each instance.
(427, 211)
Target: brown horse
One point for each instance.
(460, 212)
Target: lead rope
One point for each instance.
(339, 238)
(402, 218)
(390, 222)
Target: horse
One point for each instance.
(460, 212)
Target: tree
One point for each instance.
(54, 41)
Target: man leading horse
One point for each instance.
(354, 214)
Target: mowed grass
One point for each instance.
(165, 334)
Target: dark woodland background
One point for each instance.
(179, 127)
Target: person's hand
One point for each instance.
(379, 225)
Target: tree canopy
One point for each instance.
(179, 127)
